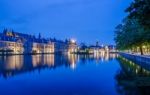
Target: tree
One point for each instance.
(140, 10)
(130, 34)
(135, 28)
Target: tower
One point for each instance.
(39, 36)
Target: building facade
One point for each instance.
(17, 43)
(9, 47)
(72, 46)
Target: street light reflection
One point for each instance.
(13, 65)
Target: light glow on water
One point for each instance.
(63, 74)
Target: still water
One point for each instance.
(51, 74)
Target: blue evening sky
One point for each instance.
(85, 20)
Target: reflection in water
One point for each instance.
(98, 58)
(42, 60)
(72, 60)
(14, 62)
(13, 65)
(132, 79)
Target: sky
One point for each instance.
(84, 20)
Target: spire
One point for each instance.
(97, 43)
(4, 31)
(39, 35)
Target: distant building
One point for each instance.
(10, 45)
(72, 46)
(68, 46)
(18, 43)
(37, 47)
(112, 48)
(60, 47)
(96, 49)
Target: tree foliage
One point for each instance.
(134, 31)
(140, 10)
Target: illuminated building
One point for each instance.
(72, 46)
(17, 43)
(64, 47)
(112, 48)
(60, 47)
(96, 50)
(10, 45)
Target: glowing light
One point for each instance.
(73, 41)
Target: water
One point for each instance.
(63, 75)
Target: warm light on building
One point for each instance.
(72, 46)
(73, 41)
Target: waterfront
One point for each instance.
(72, 75)
(75, 47)
(64, 75)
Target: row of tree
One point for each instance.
(134, 32)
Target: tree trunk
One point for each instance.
(141, 50)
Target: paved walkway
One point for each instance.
(146, 55)
(137, 57)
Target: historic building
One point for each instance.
(10, 45)
(72, 46)
(96, 49)
(18, 43)
(26, 44)
(65, 47)
(60, 47)
(37, 47)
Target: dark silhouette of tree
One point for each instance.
(140, 10)
(134, 31)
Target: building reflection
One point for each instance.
(102, 57)
(16, 64)
(132, 79)
(47, 59)
(72, 58)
